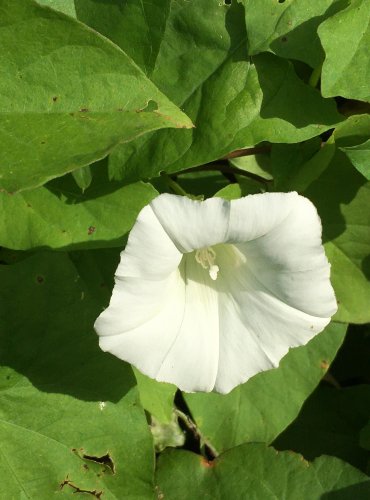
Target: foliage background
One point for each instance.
(99, 98)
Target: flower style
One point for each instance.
(209, 293)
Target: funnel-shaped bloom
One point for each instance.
(208, 293)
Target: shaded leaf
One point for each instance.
(342, 197)
(63, 400)
(329, 424)
(60, 216)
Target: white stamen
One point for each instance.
(206, 257)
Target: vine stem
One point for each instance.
(315, 76)
(176, 188)
(194, 429)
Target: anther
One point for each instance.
(206, 258)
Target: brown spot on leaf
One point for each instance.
(40, 279)
(91, 230)
(207, 463)
(84, 110)
(55, 98)
(324, 364)
(284, 39)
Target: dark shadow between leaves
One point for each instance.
(65, 187)
(337, 186)
(360, 491)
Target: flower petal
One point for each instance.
(192, 361)
(149, 252)
(241, 356)
(146, 344)
(290, 261)
(175, 338)
(192, 224)
(267, 326)
(134, 302)
(255, 215)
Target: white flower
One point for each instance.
(209, 293)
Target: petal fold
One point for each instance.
(192, 224)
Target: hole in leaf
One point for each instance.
(104, 460)
(149, 108)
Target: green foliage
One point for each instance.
(60, 216)
(57, 111)
(345, 38)
(63, 400)
(97, 98)
(288, 28)
(255, 471)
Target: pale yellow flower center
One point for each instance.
(206, 257)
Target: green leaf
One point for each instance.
(70, 416)
(83, 177)
(261, 409)
(65, 6)
(365, 436)
(67, 102)
(258, 164)
(136, 27)
(329, 424)
(353, 131)
(255, 472)
(233, 101)
(59, 216)
(243, 187)
(156, 397)
(299, 176)
(261, 87)
(288, 28)
(345, 38)
(360, 157)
